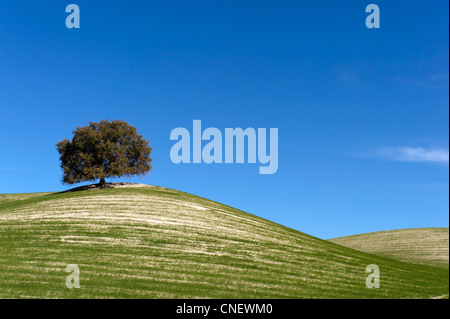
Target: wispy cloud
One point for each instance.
(415, 154)
(346, 74)
(432, 81)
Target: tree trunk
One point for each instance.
(102, 182)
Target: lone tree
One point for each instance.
(104, 150)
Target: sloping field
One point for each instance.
(159, 243)
(427, 246)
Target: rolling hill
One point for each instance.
(427, 246)
(153, 242)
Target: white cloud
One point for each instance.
(415, 154)
(432, 81)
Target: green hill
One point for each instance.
(427, 246)
(153, 242)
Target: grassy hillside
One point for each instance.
(153, 242)
(427, 246)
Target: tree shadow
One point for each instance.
(89, 187)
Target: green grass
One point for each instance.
(428, 246)
(160, 243)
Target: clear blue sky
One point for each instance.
(362, 114)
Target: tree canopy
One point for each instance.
(108, 149)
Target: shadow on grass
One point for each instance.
(92, 186)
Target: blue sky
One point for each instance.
(362, 113)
